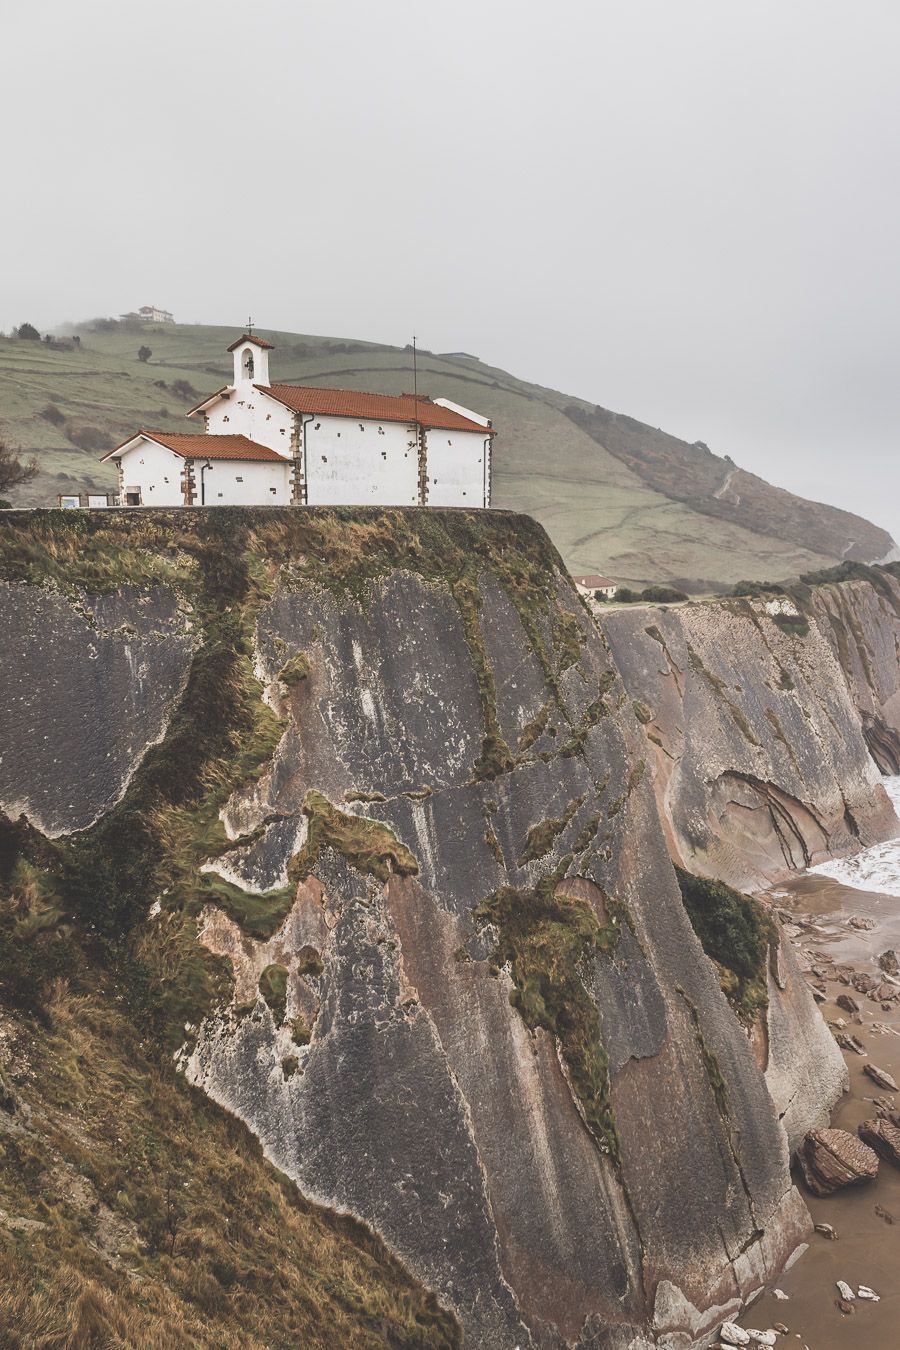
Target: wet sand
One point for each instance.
(866, 1218)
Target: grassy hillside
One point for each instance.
(616, 496)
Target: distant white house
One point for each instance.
(150, 314)
(592, 585)
(286, 444)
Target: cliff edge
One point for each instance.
(385, 841)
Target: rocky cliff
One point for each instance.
(359, 798)
(860, 618)
(754, 712)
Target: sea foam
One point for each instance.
(874, 869)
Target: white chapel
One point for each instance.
(287, 444)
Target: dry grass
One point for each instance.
(157, 1222)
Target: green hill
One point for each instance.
(615, 495)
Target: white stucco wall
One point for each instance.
(456, 468)
(230, 482)
(156, 471)
(247, 412)
(235, 482)
(360, 463)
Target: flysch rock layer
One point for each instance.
(861, 621)
(762, 768)
(88, 687)
(805, 1070)
(422, 1103)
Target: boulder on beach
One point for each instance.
(883, 1136)
(832, 1159)
(889, 962)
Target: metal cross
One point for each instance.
(249, 327)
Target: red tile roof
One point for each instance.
(374, 407)
(593, 580)
(193, 445)
(251, 337)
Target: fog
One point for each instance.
(688, 212)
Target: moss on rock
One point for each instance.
(366, 844)
(273, 987)
(547, 939)
(737, 935)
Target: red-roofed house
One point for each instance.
(281, 444)
(593, 584)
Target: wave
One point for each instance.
(874, 869)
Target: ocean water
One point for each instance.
(874, 869)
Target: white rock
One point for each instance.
(780, 1294)
(762, 1337)
(865, 1292)
(845, 1291)
(734, 1335)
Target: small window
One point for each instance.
(273, 491)
(219, 494)
(324, 459)
(316, 427)
(239, 480)
(339, 435)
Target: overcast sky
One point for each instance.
(687, 210)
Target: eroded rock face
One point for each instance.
(805, 1071)
(861, 622)
(424, 1102)
(833, 1159)
(762, 768)
(87, 689)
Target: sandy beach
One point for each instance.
(866, 1218)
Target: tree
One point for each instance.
(13, 473)
(144, 354)
(28, 332)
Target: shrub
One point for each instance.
(90, 438)
(663, 595)
(626, 596)
(753, 589)
(28, 333)
(13, 472)
(144, 354)
(183, 389)
(52, 414)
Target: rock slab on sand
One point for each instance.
(883, 1137)
(831, 1159)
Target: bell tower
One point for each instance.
(251, 359)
